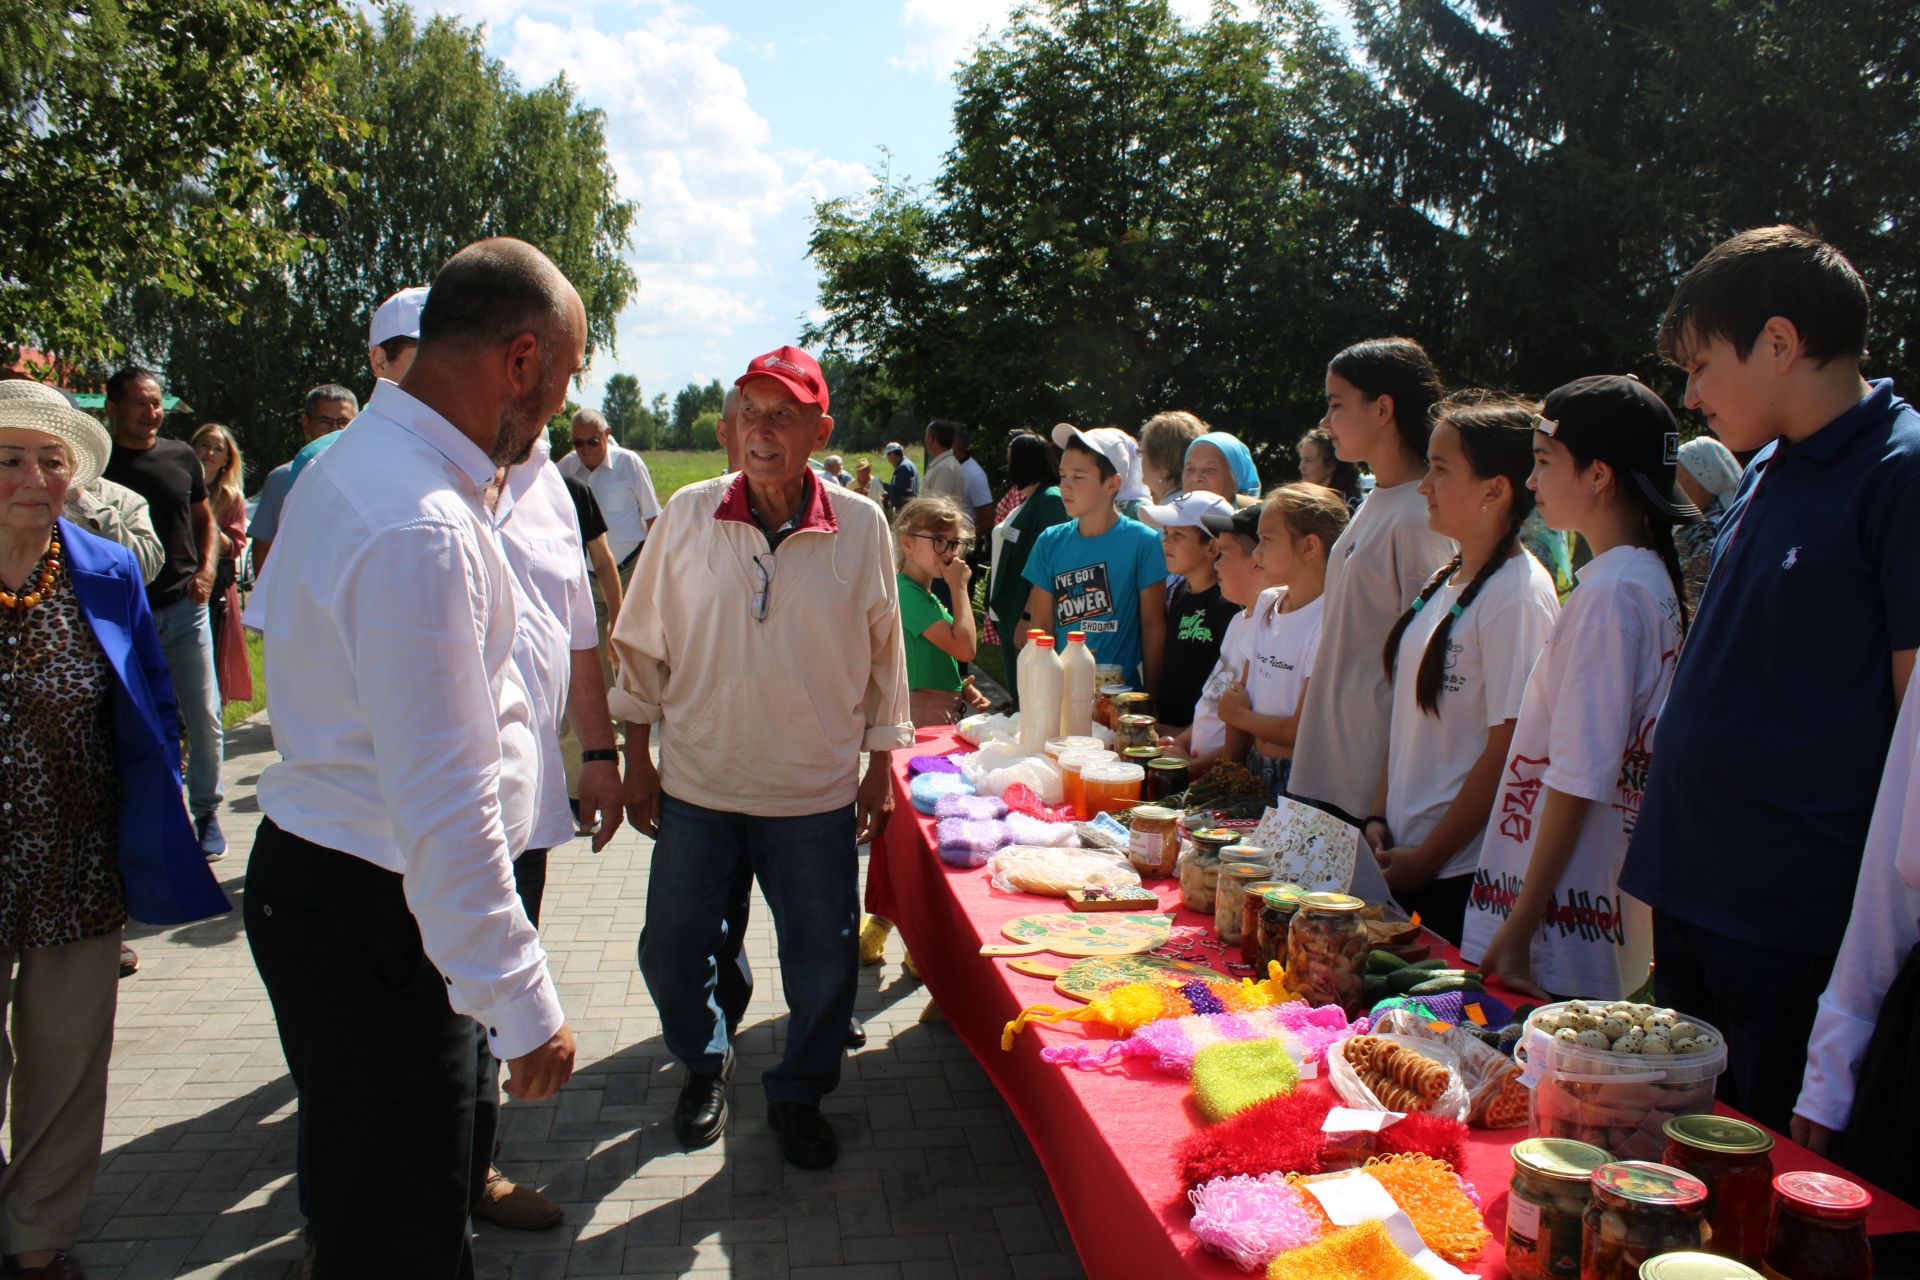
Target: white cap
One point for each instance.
(398, 317)
(1113, 444)
(1186, 509)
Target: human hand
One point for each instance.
(1402, 868)
(537, 1075)
(1815, 1137)
(873, 805)
(973, 697)
(958, 574)
(1509, 957)
(600, 800)
(200, 589)
(1377, 835)
(641, 791)
(1234, 703)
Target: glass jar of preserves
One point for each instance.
(1132, 703)
(1818, 1230)
(1103, 712)
(1220, 840)
(1142, 756)
(1695, 1266)
(1327, 951)
(1639, 1210)
(1730, 1156)
(1199, 879)
(1167, 776)
(1153, 841)
(1547, 1205)
(1277, 902)
(1230, 898)
(1136, 731)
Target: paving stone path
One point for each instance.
(935, 1179)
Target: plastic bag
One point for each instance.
(1046, 870)
(982, 729)
(999, 765)
(1452, 1102)
(1495, 1097)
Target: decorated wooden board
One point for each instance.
(1084, 979)
(1074, 933)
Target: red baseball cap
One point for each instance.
(793, 369)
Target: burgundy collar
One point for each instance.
(815, 511)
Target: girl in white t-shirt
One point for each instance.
(1299, 523)
(1459, 659)
(1209, 741)
(1546, 912)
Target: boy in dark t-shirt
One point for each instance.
(1197, 614)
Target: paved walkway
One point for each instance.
(935, 1178)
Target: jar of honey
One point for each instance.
(1111, 786)
(1060, 748)
(1072, 789)
(1153, 841)
(1730, 1156)
(1166, 776)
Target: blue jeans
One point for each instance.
(809, 870)
(1273, 771)
(187, 640)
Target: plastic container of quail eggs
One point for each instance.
(1595, 1079)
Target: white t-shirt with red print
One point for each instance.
(1586, 729)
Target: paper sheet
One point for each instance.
(1357, 1198)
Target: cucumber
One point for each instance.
(1374, 989)
(1450, 982)
(1433, 965)
(1384, 962)
(1401, 981)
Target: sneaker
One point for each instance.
(129, 961)
(515, 1205)
(213, 843)
(806, 1138)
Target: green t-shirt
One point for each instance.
(928, 665)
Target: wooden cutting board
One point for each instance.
(1081, 933)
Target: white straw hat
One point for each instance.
(28, 406)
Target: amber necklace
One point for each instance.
(40, 584)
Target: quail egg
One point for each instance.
(1613, 1028)
(1656, 1046)
(1684, 1031)
(1593, 1038)
(1627, 1044)
(1658, 1032)
(1642, 1012)
(1687, 1045)
(1568, 1034)
(1662, 1019)
(1575, 1006)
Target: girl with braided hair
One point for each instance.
(1459, 658)
(1546, 912)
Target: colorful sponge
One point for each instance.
(1229, 1078)
(1133, 1005)
(927, 788)
(1282, 1135)
(1366, 1250)
(1251, 1219)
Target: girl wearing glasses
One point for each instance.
(933, 537)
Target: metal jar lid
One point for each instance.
(1559, 1159)
(1331, 902)
(1695, 1266)
(1821, 1195)
(1153, 813)
(1646, 1185)
(1721, 1134)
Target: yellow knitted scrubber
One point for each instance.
(1229, 1078)
(1133, 1005)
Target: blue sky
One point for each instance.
(725, 122)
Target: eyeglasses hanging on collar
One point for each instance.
(763, 567)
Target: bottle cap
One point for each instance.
(1045, 642)
(1073, 636)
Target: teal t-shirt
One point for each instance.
(928, 665)
(1096, 585)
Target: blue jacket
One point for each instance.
(167, 878)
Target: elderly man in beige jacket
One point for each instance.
(762, 631)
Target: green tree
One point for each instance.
(693, 400)
(626, 412)
(457, 151)
(142, 140)
(705, 432)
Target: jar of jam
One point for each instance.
(1327, 951)
(1278, 902)
(1199, 879)
(1546, 1206)
(1695, 1266)
(1136, 731)
(1132, 703)
(1103, 712)
(1818, 1230)
(1251, 951)
(1142, 756)
(1166, 776)
(1153, 841)
(1730, 1156)
(1229, 900)
(1639, 1210)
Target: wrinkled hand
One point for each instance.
(641, 790)
(873, 805)
(600, 800)
(1816, 1138)
(1400, 867)
(200, 589)
(973, 697)
(1509, 957)
(537, 1075)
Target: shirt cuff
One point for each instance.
(622, 705)
(525, 1022)
(887, 737)
(1834, 1053)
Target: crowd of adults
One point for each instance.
(474, 653)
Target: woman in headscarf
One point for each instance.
(1218, 463)
(1708, 474)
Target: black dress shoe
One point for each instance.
(856, 1034)
(806, 1138)
(700, 1117)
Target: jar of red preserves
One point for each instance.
(1731, 1157)
(1819, 1229)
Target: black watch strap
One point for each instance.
(598, 754)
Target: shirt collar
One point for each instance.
(1831, 441)
(521, 478)
(394, 404)
(815, 511)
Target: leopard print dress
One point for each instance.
(59, 783)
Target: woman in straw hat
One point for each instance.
(92, 825)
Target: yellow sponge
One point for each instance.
(1231, 1077)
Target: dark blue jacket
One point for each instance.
(167, 878)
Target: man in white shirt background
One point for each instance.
(976, 496)
(381, 906)
(329, 407)
(620, 484)
(943, 478)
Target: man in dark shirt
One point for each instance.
(167, 474)
(905, 485)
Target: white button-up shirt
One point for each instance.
(541, 538)
(405, 730)
(624, 490)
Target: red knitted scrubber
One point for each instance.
(1283, 1134)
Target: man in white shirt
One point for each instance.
(381, 908)
(620, 484)
(943, 478)
(976, 496)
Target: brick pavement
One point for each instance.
(935, 1178)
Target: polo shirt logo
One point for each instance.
(1793, 558)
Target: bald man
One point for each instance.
(381, 906)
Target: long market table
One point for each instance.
(1106, 1138)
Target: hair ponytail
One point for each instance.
(1669, 554)
(1401, 368)
(1391, 654)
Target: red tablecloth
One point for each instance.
(1107, 1137)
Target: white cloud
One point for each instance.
(939, 33)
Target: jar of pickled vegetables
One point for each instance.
(1327, 951)
(1220, 840)
(1167, 776)
(1547, 1205)
(1135, 731)
(1730, 1156)
(1278, 901)
(1132, 703)
(1199, 879)
(1230, 898)
(1639, 1210)
(1153, 841)
(1818, 1230)
(1103, 712)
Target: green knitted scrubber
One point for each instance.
(1229, 1078)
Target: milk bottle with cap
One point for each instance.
(1079, 681)
(1040, 699)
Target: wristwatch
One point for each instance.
(598, 754)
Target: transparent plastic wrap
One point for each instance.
(1495, 1097)
(998, 765)
(1427, 1082)
(1051, 871)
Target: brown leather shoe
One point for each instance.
(516, 1206)
(63, 1267)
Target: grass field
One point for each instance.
(674, 469)
(234, 712)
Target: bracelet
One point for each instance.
(1367, 822)
(598, 755)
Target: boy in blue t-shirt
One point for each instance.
(1100, 572)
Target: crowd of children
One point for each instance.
(1642, 775)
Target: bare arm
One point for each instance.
(1153, 630)
(1039, 614)
(1275, 734)
(606, 574)
(959, 639)
(599, 779)
(1416, 867)
(206, 537)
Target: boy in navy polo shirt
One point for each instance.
(1768, 754)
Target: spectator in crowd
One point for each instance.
(221, 464)
(592, 528)
(1197, 614)
(167, 474)
(976, 496)
(1320, 465)
(1378, 396)
(409, 775)
(328, 409)
(621, 485)
(95, 829)
(1709, 474)
(862, 482)
(751, 572)
(1102, 572)
(1163, 450)
(1771, 327)
(836, 470)
(1031, 478)
(393, 335)
(905, 485)
(1010, 502)
(943, 478)
(117, 514)
(1218, 462)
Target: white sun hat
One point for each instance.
(28, 406)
